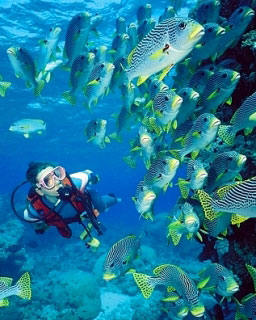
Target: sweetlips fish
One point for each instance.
(120, 257)
(218, 225)
(21, 289)
(174, 278)
(144, 199)
(80, 72)
(187, 223)
(195, 178)
(200, 77)
(246, 309)
(219, 89)
(155, 86)
(48, 49)
(169, 12)
(100, 54)
(119, 46)
(190, 98)
(145, 27)
(243, 118)
(95, 132)
(225, 167)
(28, 126)
(207, 46)
(235, 27)
(4, 85)
(147, 145)
(99, 82)
(165, 45)
(144, 12)
(24, 67)
(238, 198)
(206, 11)
(120, 25)
(202, 133)
(218, 279)
(161, 172)
(133, 37)
(76, 37)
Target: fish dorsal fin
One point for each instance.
(252, 272)
(224, 190)
(159, 269)
(129, 58)
(6, 281)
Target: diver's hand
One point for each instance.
(92, 177)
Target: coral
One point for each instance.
(77, 293)
(249, 40)
(222, 246)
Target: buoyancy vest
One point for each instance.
(53, 218)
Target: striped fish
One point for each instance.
(239, 198)
(144, 198)
(120, 257)
(243, 118)
(225, 167)
(76, 36)
(202, 133)
(219, 279)
(165, 45)
(195, 178)
(161, 173)
(219, 89)
(190, 98)
(176, 279)
(22, 289)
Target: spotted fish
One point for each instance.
(120, 257)
(174, 278)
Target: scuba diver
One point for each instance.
(59, 199)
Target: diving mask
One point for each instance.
(47, 181)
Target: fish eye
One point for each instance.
(159, 176)
(98, 79)
(95, 122)
(124, 262)
(184, 94)
(205, 119)
(182, 25)
(82, 57)
(202, 73)
(51, 29)
(112, 265)
(166, 98)
(20, 49)
(102, 65)
(229, 158)
(224, 75)
(211, 68)
(203, 43)
(45, 41)
(161, 111)
(210, 29)
(223, 278)
(79, 17)
(164, 162)
(240, 10)
(206, 6)
(155, 86)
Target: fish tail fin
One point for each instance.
(130, 161)
(38, 89)
(24, 286)
(226, 134)
(3, 87)
(145, 285)
(184, 187)
(69, 97)
(173, 232)
(206, 202)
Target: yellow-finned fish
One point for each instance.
(165, 45)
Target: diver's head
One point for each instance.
(46, 177)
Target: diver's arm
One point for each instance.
(31, 215)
